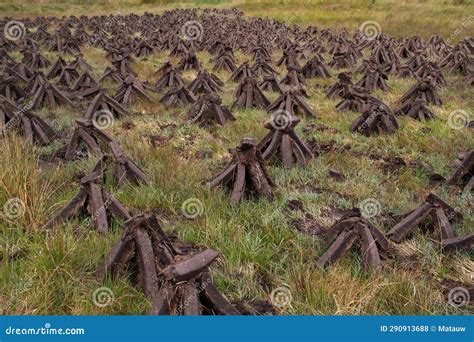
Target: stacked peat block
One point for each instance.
(442, 215)
(176, 282)
(246, 174)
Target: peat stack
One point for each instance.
(49, 94)
(342, 60)
(168, 77)
(10, 89)
(377, 118)
(375, 78)
(262, 67)
(341, 87)
(191, 291)
(144, 49)
(407, 47)
(417, 61)
(177, 96)
(241, 73)
(94, 201)
(246, 174)
(292, 102)
(283, 142)
(315, 67)
(80, 62)
(209, 109)
(189, 62)
(462, 64)
(290, 58)
(425, 90)
(85, 138)
(314, 46)
(68, 76)
(404, 71)
(464, 173)
(458, 62)
(271, 83)
(104, 103)
(225, 61)
(55, 42)
(385, 55)
(353, 98)
(455, 55)
(176, 282)
(179, 49)
(442, 214)
(58, 66)
(84, 82)
(122, 63)
(88, 138)
(416, 109)
(121, 167)
(261, 53)
(87, 94)
(431, 70)
(205, 83)
(294, 78)
(112, 73)
(35, 82)
(21, 71)
(131, 87)
(41, 35)
(350, 231)
(248, 95)
(70, 47)
(34, 60)
(27, 124)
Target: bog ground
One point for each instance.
(268, 249)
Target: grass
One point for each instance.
(396, 17)
(51, 272)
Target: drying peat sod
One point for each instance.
(239, 159)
